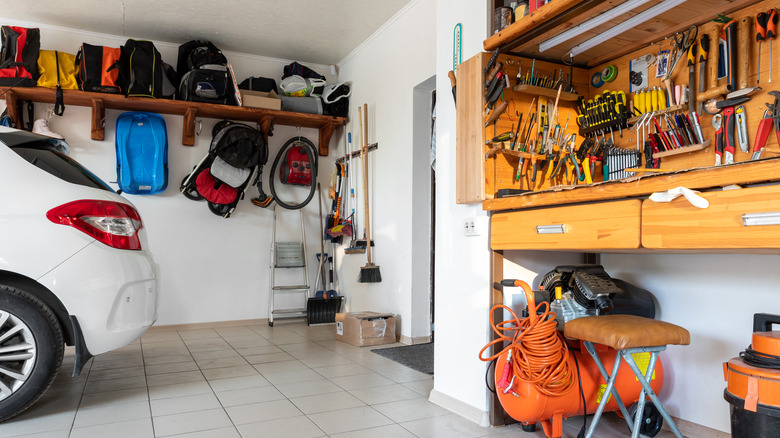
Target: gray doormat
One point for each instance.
(418, 357)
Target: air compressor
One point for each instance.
(542, 377)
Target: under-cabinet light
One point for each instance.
(753, 219)
(550, 229)
(590, 24)
(643, 16)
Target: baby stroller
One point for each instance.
(236, 154)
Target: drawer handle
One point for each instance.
(768, 218)
(550, 229)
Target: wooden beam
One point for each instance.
(188, 130)
(11, 104)
(98, 120)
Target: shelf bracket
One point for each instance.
(98, 120)
(11, 101)
(325, 133)
(188, 133)
(265, 126)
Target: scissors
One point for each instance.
(682, 42)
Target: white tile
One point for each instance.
(37, 420)
(157, 359)
(349, 369)
(450, 426)
(249, 396)
(180, 405)
(221, 362)
(275, 367)
(270, 357)
(410, 410)
(309, 387)
(384, 394)
(114, 397)
(362, 381)
(191, 422)
(64, 433)
(234, 383)
(254, 412)
(111, 413)
(115, 384)
(116, 373)
(179, 390)
(222, 432)
(205, 333)
(228, 372)
(390, 431)
(174, 367)
(298, 427)
(326, 402)
(346, 420)
(140, 428)
(255, 350)
(294, 376)
(325, 360)
(422, 387)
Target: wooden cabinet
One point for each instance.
(585, 227)
(736, 220)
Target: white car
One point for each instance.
(74, 267)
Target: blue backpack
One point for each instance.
(141, 153)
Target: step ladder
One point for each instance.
(288, 255)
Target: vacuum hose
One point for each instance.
(535, 349)
(311, 152)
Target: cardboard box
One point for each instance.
(261, 99)
(365, 328)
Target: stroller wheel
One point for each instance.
(190, 191)
(220, 209)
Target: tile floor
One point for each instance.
(248, 380)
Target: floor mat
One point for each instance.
(418, 357)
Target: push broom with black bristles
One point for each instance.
(369, 273)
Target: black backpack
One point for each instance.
(203, 74)
(143, 72)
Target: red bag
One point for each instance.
(296, 168)
(214, 190)
(19, 57)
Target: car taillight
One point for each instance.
(111, 223)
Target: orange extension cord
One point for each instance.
(538, 353)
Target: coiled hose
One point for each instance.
(535, 349)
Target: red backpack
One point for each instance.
(19, 57)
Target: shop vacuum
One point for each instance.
(753, 383)
(570, 383)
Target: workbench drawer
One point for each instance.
(734, 220)
(606, 225)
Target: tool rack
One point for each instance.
(616, 216)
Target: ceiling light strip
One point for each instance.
(590, 24)
(626, 25)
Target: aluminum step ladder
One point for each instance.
(288, 255)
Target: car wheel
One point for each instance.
(31, 348)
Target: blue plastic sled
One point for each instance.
(141, 153)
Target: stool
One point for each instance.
(628, 334)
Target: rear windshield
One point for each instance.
(43, 155)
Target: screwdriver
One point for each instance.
(761, 19)
(771, 24)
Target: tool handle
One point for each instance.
(761, 19)
(771, 24)
(744, 49)
(496, 113)
(451, 75)
(764, 126)
(729, 120)
(762, 322)
(730, 30)
(714, 56)
(692, 55)
(713, 93)
(704, 47)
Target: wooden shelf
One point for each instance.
(547, 92)
(99, 102)
(748, 172)
(682, 150)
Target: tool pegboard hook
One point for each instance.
(198, 126)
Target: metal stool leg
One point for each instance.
(646, 386)
(605, 396)
(592, 350)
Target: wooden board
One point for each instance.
(469, 134)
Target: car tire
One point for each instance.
(24, 319)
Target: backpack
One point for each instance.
(204, 74)
(143, 72)
(57, 70)
(99, 68)
(141, 153)
(19, 56)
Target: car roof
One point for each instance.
(15, 137)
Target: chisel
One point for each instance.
(742, 138)
(691, 77)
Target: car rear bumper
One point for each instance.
(112, 292)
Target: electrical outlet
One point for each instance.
(470, 227)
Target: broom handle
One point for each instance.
(364, 143)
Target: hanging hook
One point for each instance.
(198, 126)
(49, 112)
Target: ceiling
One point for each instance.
(321, 31)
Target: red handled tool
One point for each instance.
(718, 125)
(764, 126)
(731, 128)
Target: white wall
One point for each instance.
(211, 269)
(384, 70)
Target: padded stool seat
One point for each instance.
(628, 334)
(626, 331)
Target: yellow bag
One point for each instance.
(57, 70)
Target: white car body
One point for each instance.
(112, 293)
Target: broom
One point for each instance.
(369, 273)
